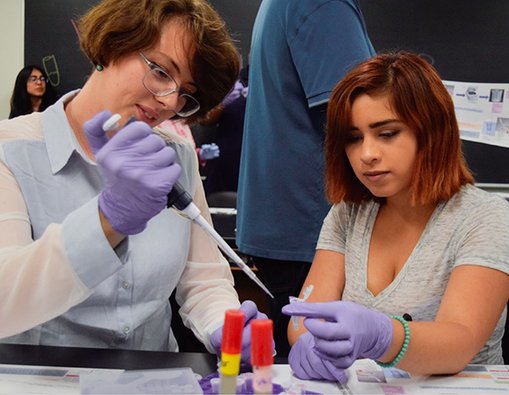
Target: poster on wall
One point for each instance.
(482, 110)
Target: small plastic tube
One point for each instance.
(261, 355)
(231, 344)
(111, 123)
(240, 387)
(305, 295)
(214, 384)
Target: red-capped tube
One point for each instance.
(261, 342)
(231, 342)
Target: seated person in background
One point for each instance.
(177, 127)
(88, 249)
(408, 235)
(228, 119)
(32, 92)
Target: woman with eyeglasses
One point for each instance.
(32, 92)
(88, 250)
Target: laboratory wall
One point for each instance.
(12, 44)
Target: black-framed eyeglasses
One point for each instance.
(41, 78)
(160, 83)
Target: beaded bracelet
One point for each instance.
(404, 348)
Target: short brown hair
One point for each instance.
(419, 98)
(115, 28)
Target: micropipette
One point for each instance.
(180, 199)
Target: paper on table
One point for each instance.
(152, 381)
(282, 374)
(21, 379)
(366, 377)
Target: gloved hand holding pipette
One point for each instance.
(138, 169)
(132, 154)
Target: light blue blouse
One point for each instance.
(131, 284)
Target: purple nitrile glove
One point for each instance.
(209, 151)
(234, 94)
(344, 331)
(138, 171)
(251, 312)
(307, 365)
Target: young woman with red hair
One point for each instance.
(412, 262)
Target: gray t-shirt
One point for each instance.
(471, 228)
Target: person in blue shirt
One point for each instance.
(89, 253)
(300, 49)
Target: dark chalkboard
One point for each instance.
(239, 16)
(466, 40)
(51, 39)
(52, 42)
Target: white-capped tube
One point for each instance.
(111, 123)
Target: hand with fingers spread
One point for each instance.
(138, 170)
(251, 312)
(344, 331)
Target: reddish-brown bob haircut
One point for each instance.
(116, 28)
(421, 101)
